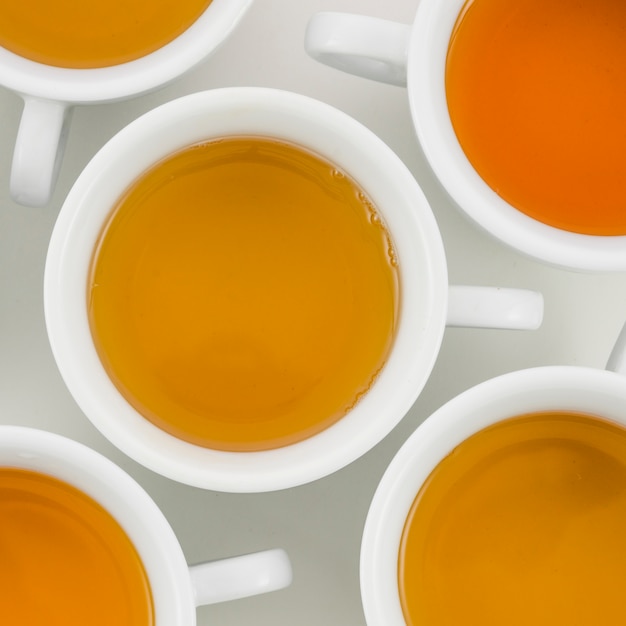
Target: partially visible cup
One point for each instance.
(415, 56)
(174, 588)
(535, 526)
(426, 303)
(50, 93)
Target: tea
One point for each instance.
(537, 102)
(523, 523)
(79, 34)
(64, 559)
(244, 294)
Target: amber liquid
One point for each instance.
(64, 559)
(537, 98)
(88, 34)
(244, 294)
(523, 523)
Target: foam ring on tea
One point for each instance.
(243, 294)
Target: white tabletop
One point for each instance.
(318, 524)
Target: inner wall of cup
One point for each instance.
(262, 113)
(106, 483)
(574, 389)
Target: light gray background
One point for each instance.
(319, 524)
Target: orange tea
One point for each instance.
(86, 34)
(64, 559)
(536, 98)
(243, 294)
(523, 523)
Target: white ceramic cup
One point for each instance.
(415, 56)
(49, 93)
(428, 303)
(550, 388)
(177, 589)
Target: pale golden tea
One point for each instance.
(244, 294)
(523, 523)
(64, 559)
(87, 34)
(536, 98)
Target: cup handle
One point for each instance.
(494, 307)
(617, 358)
(38, 150)
(240, 576)
(358, 44)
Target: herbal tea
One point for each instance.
(523, 523)
(244, 294)
(79, 34)
(64, 559)
(536, 98)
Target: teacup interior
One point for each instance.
(430, 38)
(545, 389)
(108, 485)
(327, 132)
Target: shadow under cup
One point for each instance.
(405, 308)
(505, 506)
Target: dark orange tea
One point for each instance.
(536, 96)
(244, 294)
(523, 523)
(87, 34)
(64, 559)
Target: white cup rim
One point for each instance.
(108, 484)
(351, 146)
(568, 388)
(87, 86)
(428, 44)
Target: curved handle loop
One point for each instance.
(494, 307)
(361, 45)
(38, 150)
(240, 576)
